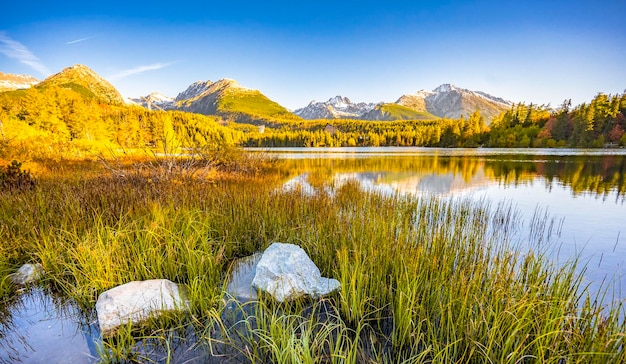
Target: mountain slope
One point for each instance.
(416, 101)
(10, 81)
(86, 82)
(229, 99)
(338, 107)
(396, 112)
(194, 90)
(453, 102)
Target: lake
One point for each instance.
(582, 190)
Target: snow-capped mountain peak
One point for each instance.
(335, 108)
(450, 101)
(340, 102)
(154, 101)
(420, 93)
(157, 96)
(446, 87)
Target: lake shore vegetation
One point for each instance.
(422, 279)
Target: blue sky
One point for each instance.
(294, 52)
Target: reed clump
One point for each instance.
(423, 279)
(5, 270)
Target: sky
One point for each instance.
(297, 51)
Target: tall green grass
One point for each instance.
(423, 280)
(5, 270)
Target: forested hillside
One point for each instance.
(445, 132)
(57, 121)
(599, 123)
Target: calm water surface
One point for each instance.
(38, 327)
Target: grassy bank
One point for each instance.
(423, 280)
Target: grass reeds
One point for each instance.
(423, 280)
(5, 270)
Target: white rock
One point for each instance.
(27, 273)
(286, 272)
(136, 301)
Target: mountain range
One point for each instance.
(446, 101)
(337, 107)
(228, 99)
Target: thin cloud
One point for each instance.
(78, 40)
(136, 70)
(16, 50)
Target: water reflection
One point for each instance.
(602, 175)
(38, 327)
(412, 183)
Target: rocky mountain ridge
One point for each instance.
(449, 101)
(338, 107)
(10, 81)
(226, 98)
(154, 101)
(445, 101)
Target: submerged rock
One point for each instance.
(286, 272)
(27, 273)
(240, 282)
(136, 301)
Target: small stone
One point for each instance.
(27, 273)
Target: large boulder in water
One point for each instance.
(286, 272)
(136, 301)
